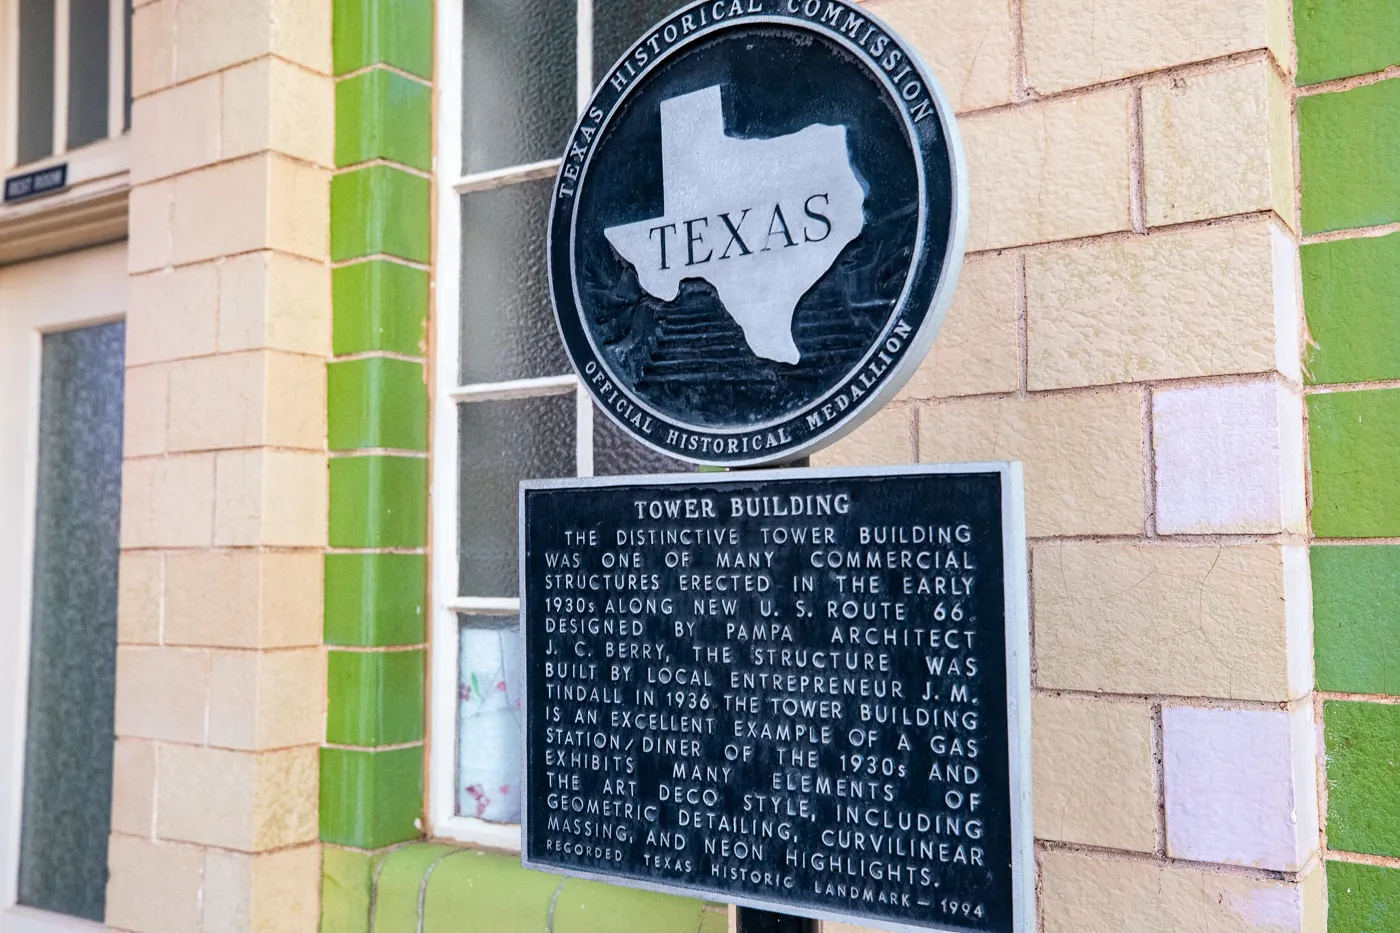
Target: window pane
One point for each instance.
(35, 79)
(508, 327)
(619, 23)
(615, 453)
(87, 71)
(519, 74)
(73, 646)
(503, 442)
(489, 707)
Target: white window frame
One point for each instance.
(445, 603)
(49, 295)
(99, 159)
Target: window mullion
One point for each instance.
(61, 13)
(585, 53)
(116, 67)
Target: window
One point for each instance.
(70, 74)
(514, 75)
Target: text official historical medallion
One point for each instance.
(805, 690)
(756, 228)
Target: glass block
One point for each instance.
(519, 80)
(503, 442)
(87, 70)
(490, 713)
(36, 38)
(619, 23)
(73, 640)
(508, 327)
(615, 453)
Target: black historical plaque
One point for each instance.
(756, 228)
(799, 690)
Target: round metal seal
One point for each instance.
(756, 228)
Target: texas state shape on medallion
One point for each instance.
(759, 219)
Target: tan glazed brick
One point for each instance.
(248, 801)
(152, 47)
(247, 400)
(275, 498)
(884, 439)
(1082, 455)
(162, 693)
(133, 786)
(1217, 144)
(967, 43)
(214, 34)
(271, 104)
(179, 130)
(243, 599)
(977, 350)
(266, 699)
(154, 886)
(144, 411)
(1185, 621)
(140, 585)
(149, 210)
(168, 501)
(274, 301)
(1049, 171)
(1074, 43)
(1192, 303)
(1093, 773)
(1084, 894)
(175, 314)
(261, 892)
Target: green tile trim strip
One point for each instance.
(435, 888)
(375, 600)
(1355, 450)
(371, 799)
(377, 402)
(1351, 291)
(378, 502)
(375, 697)
(382, 114)
(372, 779)
(380, 209)
(1363, 777)
(1362, 898)
(387, 32)
(1347, 143)
(1356, 618)
(1343, 38)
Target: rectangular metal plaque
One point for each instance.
(801, 690)
(32, 184)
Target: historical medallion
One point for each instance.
(756, 228)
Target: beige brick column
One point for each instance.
(220, 674)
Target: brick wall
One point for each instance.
(1349, 127)
(220, 673)
(1128, 325)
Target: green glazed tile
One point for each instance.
(378, 502)
(381, 114)
(1362, 898)
(1355, 451)
(396, 896)
(375, 600)
(1347, 143)
(1356, 618)
(346, 879)
(379, 209)
(391, 32)
(374, 697)
(370, 799)
(1341, 38)
(380, 305)
(376, 402)
(1351, 291)
(591, 907)
(1363, 777)
(479, 892)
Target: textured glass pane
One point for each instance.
(519, 79)
(489, 707)
(502, 443)
(35, 79)
(615, 453)
(508, 327)
(87, 71)
(619, 23)
(73, 645)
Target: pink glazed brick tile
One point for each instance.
(1240, 786)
